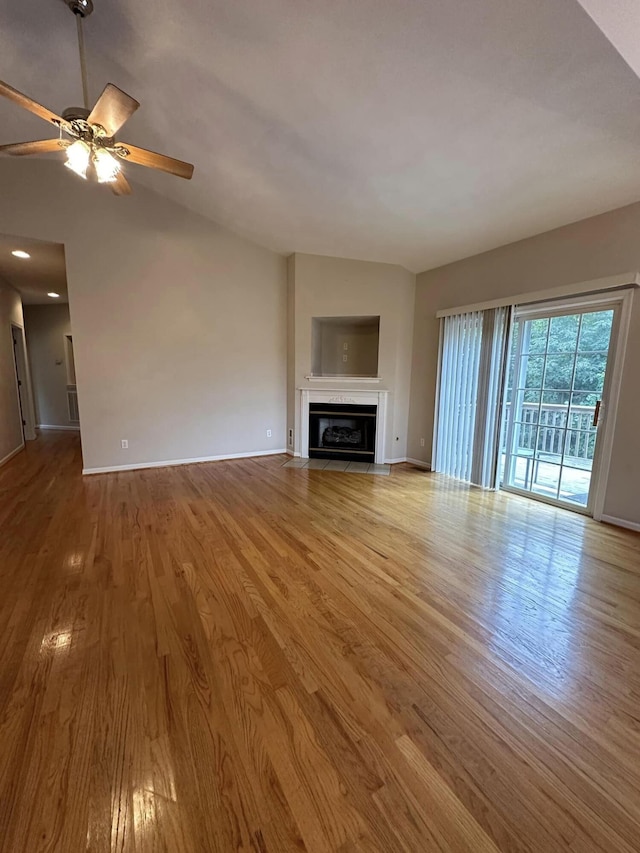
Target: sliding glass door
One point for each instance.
(554, 389)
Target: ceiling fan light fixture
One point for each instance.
(92, 151)
(106, 166)
(78, 155)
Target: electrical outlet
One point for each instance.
(124, 444)
(345, 357)
(290, 438)
(268, 433)
(345, 345)
(422, 442)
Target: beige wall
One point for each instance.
(335, 287)
(179, 326)
(10, 426)
(46, 327)
(594, 248)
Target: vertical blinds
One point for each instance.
(458, 394)
(471, 374)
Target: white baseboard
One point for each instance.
(419, 463)
(12, 454)
(56, 426)
(292, 452)
(170, 463)
(621, 522)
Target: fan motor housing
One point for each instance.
(75, 114)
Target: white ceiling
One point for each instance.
(411, 132)
(619, 20)
(34, 277)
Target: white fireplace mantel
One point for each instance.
(342, 395)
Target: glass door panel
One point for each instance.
(557, 368)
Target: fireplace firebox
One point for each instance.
(341, 431)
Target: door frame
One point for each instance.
(621, 302)
(22, 373)
(611, 398)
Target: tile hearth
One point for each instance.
(337, 465)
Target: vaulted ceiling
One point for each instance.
(411, 132)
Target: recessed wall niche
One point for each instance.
(345, 346)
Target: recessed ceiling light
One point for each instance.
(18, 253)
(54, 295)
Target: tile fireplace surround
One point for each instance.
(332, 395)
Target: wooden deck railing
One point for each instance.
(543, 429)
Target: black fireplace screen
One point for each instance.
(341, 431)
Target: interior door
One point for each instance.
(20, 378)
(553, 403)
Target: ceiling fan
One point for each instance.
(87, 136)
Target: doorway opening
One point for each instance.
(41, 336)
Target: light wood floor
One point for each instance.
(240, 656)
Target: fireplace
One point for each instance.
(342, 431)
(343, 402)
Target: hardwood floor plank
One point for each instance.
(459, 828)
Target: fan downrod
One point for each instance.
(83, 8)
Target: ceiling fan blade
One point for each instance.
(121, 185)
(28, 104)
(42, 146)
(157, 161)
(112, 109)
